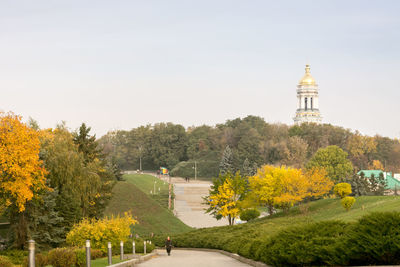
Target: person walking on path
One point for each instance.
(168, 245)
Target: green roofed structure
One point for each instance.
(391, 182)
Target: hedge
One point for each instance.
(372, 240)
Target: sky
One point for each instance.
(121, 64)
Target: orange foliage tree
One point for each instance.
(21, 171)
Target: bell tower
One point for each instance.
(307, 100)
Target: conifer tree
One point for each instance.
(226, 164)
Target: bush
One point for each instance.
(15, 256)
(342, 189)
(80, 255)
(374, 240)
(5, 262)
(41, 260)
(62, 257)
(347, 202)
(249, 214)
(310, 245)
(100, 232)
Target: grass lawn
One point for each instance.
(152, 217)
(326, 209)
(147, 183)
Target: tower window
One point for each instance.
(311, 103)
(305, 103)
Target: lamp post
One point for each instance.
(140, 158)
(88, 253)
(31, 258)
(195, 170)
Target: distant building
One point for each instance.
(392, 183)
(307, 100)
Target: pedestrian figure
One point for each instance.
(186, 179)
(168, 245)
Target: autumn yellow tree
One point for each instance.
(21, 171)
(225, 200)
(377, 165)
(284, 186)
(318, 182)
(264, 186)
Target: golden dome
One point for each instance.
(307, 78)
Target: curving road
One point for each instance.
(189, 203)
(192, 258)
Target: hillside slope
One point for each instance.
(326, 209)
(152, 217)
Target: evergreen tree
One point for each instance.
(87, 144)
(248, 169)
(45, 223)
(226, 164)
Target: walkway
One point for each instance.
(192, 258)
(189, 204)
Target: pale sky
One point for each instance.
(122, 64)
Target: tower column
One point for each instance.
(307, 94)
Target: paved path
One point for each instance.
(192, 258)
(189, 206)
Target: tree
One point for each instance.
(297, 152)
(87, 144)
(284, 186)
(347, 202)
(224, 201)
(377, 185)
(377, 165)
(334, 160)
(319, 183)
(45, 223)
(264, 186)
(342, 190)
(226, 164)
(361, 148)
(21, 171)
(248, 169)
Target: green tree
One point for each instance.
(226, 164)
(87, 144)
(168, 144)
(334, 160)
(226, 195)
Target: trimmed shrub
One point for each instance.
(307, 245)
(249, 214)
(5, 262)
(347, 202)
(139, 248)
(62, 257)
(374, 240)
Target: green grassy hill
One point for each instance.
(133, 194)
(327, 209)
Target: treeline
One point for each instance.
(251, 141)
(50, 179)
